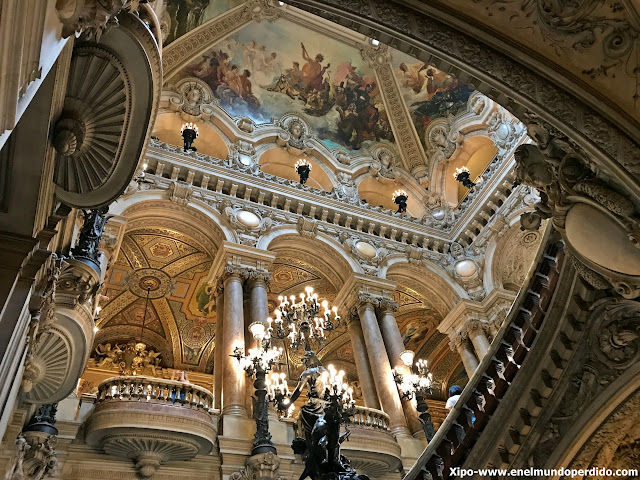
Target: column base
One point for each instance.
(236, 410)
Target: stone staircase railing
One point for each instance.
(155, 390)
(463, 427)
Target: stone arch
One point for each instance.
(526, 92)
(288, 236)
(201, 216)
(211, 141)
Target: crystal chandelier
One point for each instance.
(301, 322)
(336, 388)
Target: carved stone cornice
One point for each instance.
(240, 260)
(360, 290)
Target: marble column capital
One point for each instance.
(255, 277)
(387, 305)
(474, 326)
(365, 301)
(457, 342)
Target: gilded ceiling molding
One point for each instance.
(379, 58)
(533, 98)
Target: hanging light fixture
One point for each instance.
(400, 198)
(189, 133)
(302, 322)
(463, 176)
(303, 169)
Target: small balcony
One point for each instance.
(152, 421)
(371, 447)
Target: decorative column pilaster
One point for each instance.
(395, 346)
(365, 377)
(233, 377)
(233, 264)
(459, 344)
(380, 366)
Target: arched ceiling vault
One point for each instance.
(536, 87)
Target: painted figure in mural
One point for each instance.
(248, 78)
(185, 16)
(206, 299)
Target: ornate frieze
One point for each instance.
(401, 124)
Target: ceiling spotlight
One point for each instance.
(400, 198)
(303, 169)
(375, 42)
(462, 175)
(189, 133)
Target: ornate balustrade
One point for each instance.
(155, 390)
(152, 421)
(370, 418)
(462, 428)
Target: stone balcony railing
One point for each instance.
(371, 448)
(152, 421)
(462, 429)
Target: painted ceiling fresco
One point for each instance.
(182, 16)
(264, 71)
(180, 318)
(428, 92)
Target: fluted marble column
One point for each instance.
(219, 346)
(478, 338)
(365, 377)
(461, 345)
(395, 346)
(233, 377)
(381, 368)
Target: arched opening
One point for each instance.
(281, 163)
(167, 129)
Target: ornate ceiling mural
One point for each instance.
(429, 93)
(261, 72)
(181, 16)
(171, 268)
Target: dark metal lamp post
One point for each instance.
(416, 385)
(463, 176)
(189, 133)
(257, 364)
(400, 198)
(303, 169)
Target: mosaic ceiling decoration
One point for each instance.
(262, 73)
(180, 318)
(428, 92)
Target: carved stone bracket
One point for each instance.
(599, 224)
